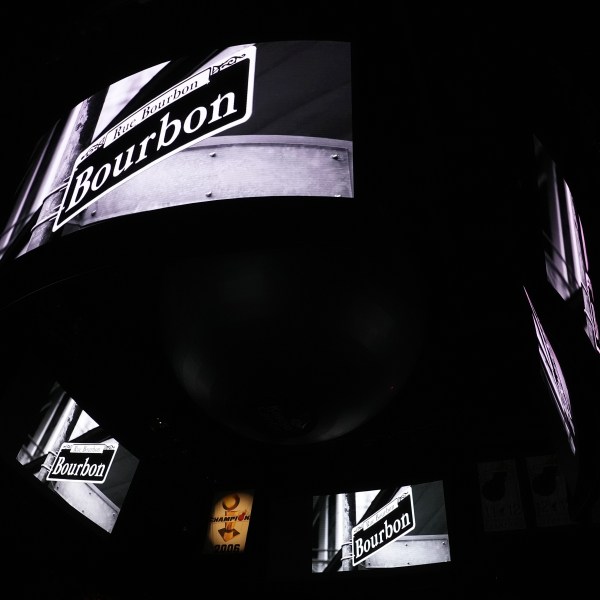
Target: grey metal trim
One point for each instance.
(227, 167)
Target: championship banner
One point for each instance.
(548, 491)
(501, 504)
(229, 522)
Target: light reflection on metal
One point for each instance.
(567, 265)
(554, 377)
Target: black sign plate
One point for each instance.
(217, 98)
(83, 462)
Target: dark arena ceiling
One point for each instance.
(434, 251)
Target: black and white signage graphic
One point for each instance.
(394, 520)
(217, 98)
(83, 462)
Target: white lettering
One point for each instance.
(176, 123)
(57, 465)
(358, 548)
(100, 177)
(405, 521)
(118, 169)
(121, 129)
(143, 147)
(82, 184)
(84, 469)
(389, 529)
(187, 124)
(230, 96)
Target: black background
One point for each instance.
(446, 101)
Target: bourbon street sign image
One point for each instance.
(393, 521)
(212, 100)
(83, 462)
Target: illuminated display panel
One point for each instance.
(72, 455)
(257, 120)
(380, 529)
(566, 257)
(554, 378)
(229, 522)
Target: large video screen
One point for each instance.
(75, 458)
(255, 120)
(380, 528)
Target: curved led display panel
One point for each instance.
(255, 120)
